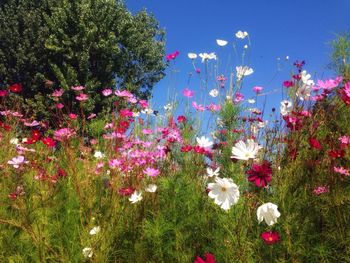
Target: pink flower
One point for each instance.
(3, 93)
(341, 170)
(143, 104)
(57, 93)
(151, 172)
(147, 131)
(238, 97)
(82, 97)
(344, 139)
(17, 161)
(72, 116)
(214, 107)
(321, 190)
(59, 106)
(288, 84)
(32, 124)
(91, 116)
(188, 93)
(123, 93)
(270, 237)
(198, 107)
(126, 113)
(257, 89)
(209, 258)
(78, 88)
(63, 134)
(107, 92)
(172, 56)
(114, 163)
(198, 70)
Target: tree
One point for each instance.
(93, 43)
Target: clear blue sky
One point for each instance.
(301, 29)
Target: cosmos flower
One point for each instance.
(268, 212)
(135, 197)
(151, 172)
(87, 252)
(57, 93)
(221, 42)
(270, 237)
(213, 173)
(224, 192)
(188, 93)
(82, 97)
(209, 258)
(207, 56)
(243, 71)
(204, 142)
(107, 92)
(95, 230)
(214, 93)
(241, 35)
(192, 55)
(260, 174)
(16, 162)
(198, 107)
(286, 107)
(341, 170)
(78, 88)
(151, 188)
(99, 155)
(245, 151)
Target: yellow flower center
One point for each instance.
(223, 189)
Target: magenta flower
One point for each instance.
(151, 172)
(143, 104)
(107, 92)
(257, 89)
(72, 116)
(238, 97)
(59, 106)
(78, 88)
(16, 162)
(82, 97)
(114, 163)
(57, 93)
(188, 93)
(172, 56)
(321, 190)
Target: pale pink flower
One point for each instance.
(114, 163)
(198, 107)
(214, 107)
(82, 97)
(123, 93)
(16, 162)
(58, 93)
(151, 172)
(238, 97)
(188, 93)
(344, 139)
(77, 88)
(341, 170)
(91, 116)
(107, 92)
(321, 190)
(32, 124)
(63, 134)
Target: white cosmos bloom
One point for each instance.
(304, 92)
(213, 173)
(242, 35)
(135, 197)
(192, 55)
(245, 151)
(286, 107)
(214, 93)
(151, 188)
(224, 192)
(243, 71)
(14, 141)
(168, 107)
(251, 101)
(245, 46)
(99, 155)
(268, 212)
(206, 56)
(95, 230)
(87, 252)
(204, 142)
(221, 42)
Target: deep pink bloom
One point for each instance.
(172, 56)
(143, 104)
(198, 70)
(238, 97)
(126, 191)
(270, 237)
(181, 119)
(260, 174)
(257, 89)
(288, 84)
(72, 116)
(314, 143)
(186, 148)
(59, 106)
(48, 141)
(16, 88)
(336, 153)
(126, 113)
(3, 93)
(188, 93)
(209, 258)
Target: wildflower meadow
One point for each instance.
(93, 171)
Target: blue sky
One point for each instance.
(301, 29)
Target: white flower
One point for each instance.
(305, 78)
(87, 252)
(192, 55)
(245, 151)
(204, 142)
(147, 111)
(286, 107)
(224, 192)
(243, 71)
(14, 141)
(304, 92)
(214, 93)
(268, 212)
(168, 107)
(287, 57)
(136, 114)
(135, 197)
(206, 56)
(221, 42)
(213, 173)
(262, 124)
(251, 101)
(151, 188)
(95, 230)
(245, 47)
(99, 155)
(241, 35)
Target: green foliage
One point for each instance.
(50, 44)
(341, 55)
